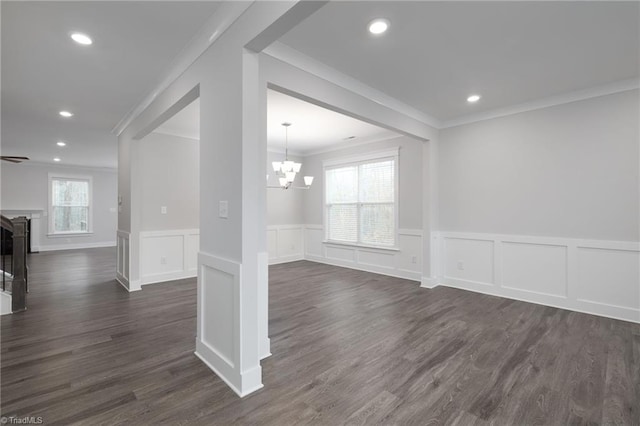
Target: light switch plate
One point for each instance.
(223, 209)
(163, 210)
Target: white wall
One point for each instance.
(543, 206)
(169, 175)
(594, 276)
(285, 215)
(25, 189)
(301, 236)
(410, 179)
(232, 261)
(566, 171)
(285, 207)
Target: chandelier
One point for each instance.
(286, 170)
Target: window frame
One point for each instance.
(63, 176)
(357, 160)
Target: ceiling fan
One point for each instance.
(12, 159)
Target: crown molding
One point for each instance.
(31, 163)
(565, 98)
(223, 17)
(340, 145)
(295, 58)
(175, 135)
(347, 145)
(228, 12)
(280, 151)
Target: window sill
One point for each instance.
(69, 234)
(362, 246)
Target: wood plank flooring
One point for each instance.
(349, 347)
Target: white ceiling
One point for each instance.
(435, 54)
(44, 71)
(312, 127)
(186, 122)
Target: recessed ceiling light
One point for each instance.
(378, 26)
(81, 39)
(56, 159)
(60, 143)
(473, 98)
(66, 114)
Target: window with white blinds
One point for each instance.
(70, 205)
(361, 202)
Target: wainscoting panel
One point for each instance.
(340, 254)
(536, 268)
(606, 276)
(218, 334)
(469, 260)
(313, 236)
(219, 291)
(168, 255)
(192, 246)
(122, 260)
(405, 262)
(591, 276)
(409, 258)
(285, 243)
(376, 258)
(216, 295)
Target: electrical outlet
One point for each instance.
(163, 210)
(460, 265)
(163, 260)
(223, 209)
(414, 259)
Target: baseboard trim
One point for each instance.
(126, 284)
(170, 276)
(134, 285)
(77, 246)
(286, 259)
(411, 276)
(429, 283)
(250, 379)
(217, 373)
(266, 345)
(626, 314)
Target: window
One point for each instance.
(361, 200)
(70, 205)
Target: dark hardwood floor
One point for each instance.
(348, 347)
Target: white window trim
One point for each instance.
(52, 232)
(357, 160)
